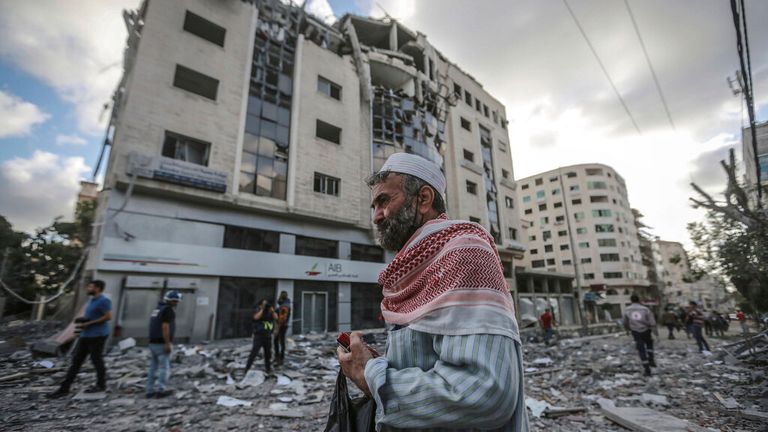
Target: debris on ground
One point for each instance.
(578, 384)
(702, 392)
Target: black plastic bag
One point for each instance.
(350, 415)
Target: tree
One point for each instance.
(732, 241)
(40, 263)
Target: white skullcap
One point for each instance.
(417, 166)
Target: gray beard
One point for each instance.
(395, 231)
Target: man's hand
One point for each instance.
(167, 348)
(353, 363)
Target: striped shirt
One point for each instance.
(438, 382)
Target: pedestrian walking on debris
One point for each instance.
(546, 324)
(669, 319)
(719, 324)
(454, 358)
(162, 326)
(91, 340)
(263, 322)
(707, 322)
(283, 317)
(696, 321)
(640, 321)
(682, 316)
(742, 321)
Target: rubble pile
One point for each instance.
(582, 384)
(211, 391)
(576, 384)
(15, 333)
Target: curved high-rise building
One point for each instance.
(578, 221)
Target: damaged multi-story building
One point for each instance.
(240, 138)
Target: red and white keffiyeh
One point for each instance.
(448, 280)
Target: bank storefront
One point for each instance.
(222, 285)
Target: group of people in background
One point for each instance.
(270, 325)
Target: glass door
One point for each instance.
(314, 312)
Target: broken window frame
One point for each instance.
(329, 88)
(178, 146)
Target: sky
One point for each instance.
(59, 65)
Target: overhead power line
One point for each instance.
(602, 66)
(650, 65)
(740, 24)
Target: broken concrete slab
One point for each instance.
(654, 399)
(728, 403)
(647, 420)
(756, 415)
(232, 402)
(90, 396)
(295, 414)
(126, 343)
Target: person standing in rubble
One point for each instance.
(742, 321)
(263, 323)
(283, 315)
(546, 321)
(682, 316)
(696, 320)
(162, 326)
(640, 321)
(669, 319)
(95, 330)
(454, 356)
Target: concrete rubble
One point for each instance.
(599, 378)
(210, 389)
(582, 384)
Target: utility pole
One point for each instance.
(576, 262)
(2, 274)
(742, 48)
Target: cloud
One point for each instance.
(35, 190)
(17, 116)
(73, 140)
(530, 55)
(321, 9)
(75, 50)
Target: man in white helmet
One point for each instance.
(162, 326)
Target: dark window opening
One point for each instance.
(466, 124)
(251, 239)
(368, 253)
(195, 82)
(310, 246)
(468, 155)
(328, 132)
(205, 29)
(472, 187)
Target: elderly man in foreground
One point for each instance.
(453, 359)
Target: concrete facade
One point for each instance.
(246, 216)
(748, 156)
(577, 220)
(681, 287)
